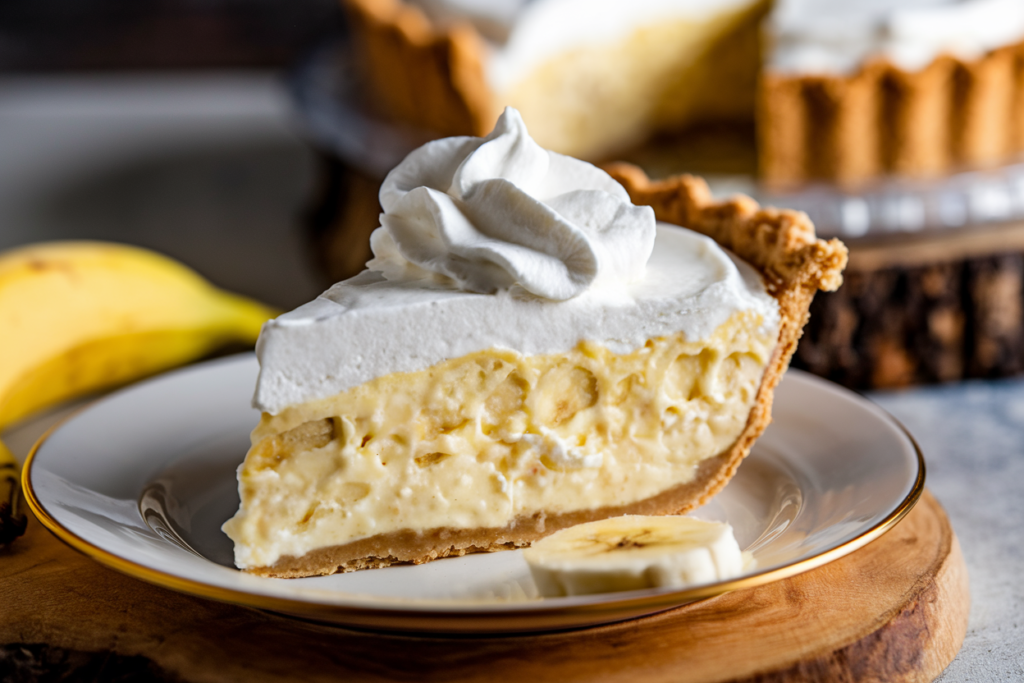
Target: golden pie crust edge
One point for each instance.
(883, 120)
(780, 244)
(420, 74)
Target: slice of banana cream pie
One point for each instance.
(528, 349)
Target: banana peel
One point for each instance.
(82, 317)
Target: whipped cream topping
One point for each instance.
(369, 326)
(486, 214)
(837, 36)
(527, 33)
(495, 243)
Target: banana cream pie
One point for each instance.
(591, 77)
(527, 350)
(853, 90)
(839, 90)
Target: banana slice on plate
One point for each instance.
(634, 552)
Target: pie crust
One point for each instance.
(844, 128)
(418, 73)
(884, 120)
(591, 102)
(780, 244)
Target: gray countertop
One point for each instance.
(972, 435)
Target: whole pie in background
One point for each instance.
(839, 91)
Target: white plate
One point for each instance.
(142, 480)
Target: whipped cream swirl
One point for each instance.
(487, 214)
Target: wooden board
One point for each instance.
(895, 610)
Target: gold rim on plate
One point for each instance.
(439, 617)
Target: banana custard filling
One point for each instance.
(527, 350)
(483, 440)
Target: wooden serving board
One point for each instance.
(895, 610)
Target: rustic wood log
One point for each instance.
(931, 308)
(994, 304)
(894, 610)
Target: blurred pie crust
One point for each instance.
(596, 102)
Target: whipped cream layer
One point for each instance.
(369, 326)
(490, 213)
(837, 36)
(527, 33)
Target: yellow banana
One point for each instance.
(633, 552)
(79, 317)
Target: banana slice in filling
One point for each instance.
(634, 552)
